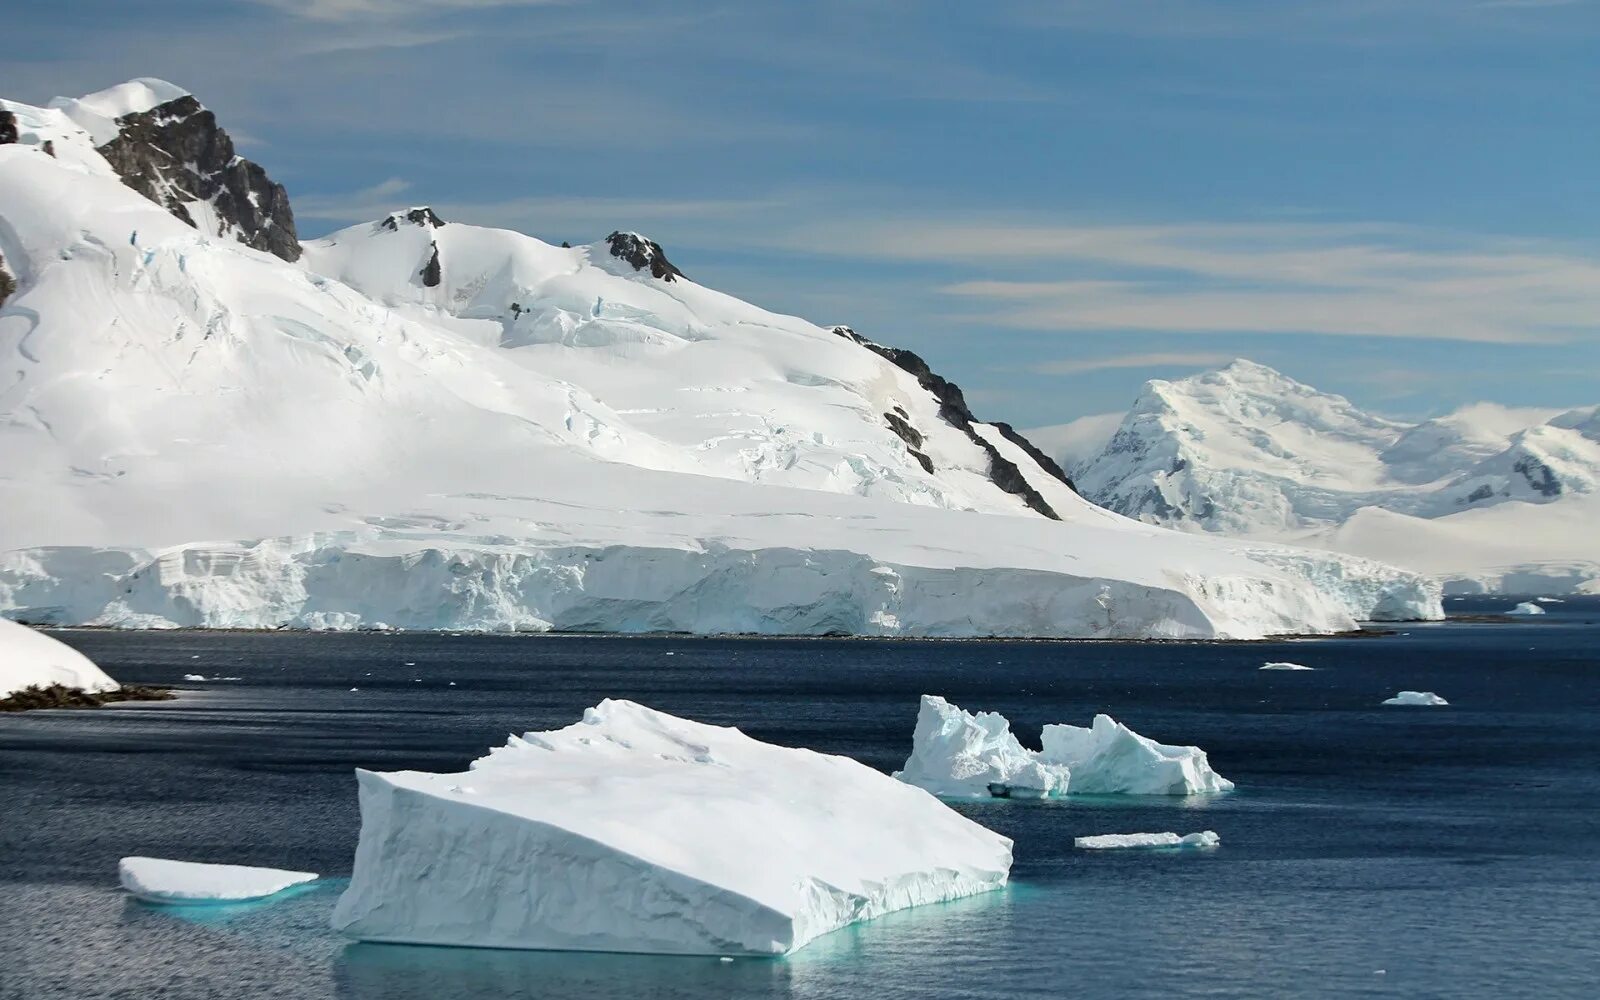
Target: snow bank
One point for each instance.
(33, 659)
(1526, 608)
(159, 880)
(1122, 841)
(958, 754)
(1427, 698)
(1285, 665)
(636, 831)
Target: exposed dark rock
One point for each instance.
(420, 216)
(901, 426)
(565, 245)
(953, 410)
(8, 127)
(922, 460)
(176, 154)
(1539, 476)
(1044, 461)
(430, 270)
(643, 253)
(1483, 492)
(49, 147)
(8, 284)
(60, 696)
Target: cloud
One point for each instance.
(354, 10)
(1194, 359)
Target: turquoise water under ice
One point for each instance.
(1368, 851)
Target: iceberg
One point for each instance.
(956, 754)
(1427, 698)
(637, 831)
(161, 880)
(1123, 841)
(33, 659)
(1284, 665)
(1526, 608)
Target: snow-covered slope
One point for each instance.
(1487, 496)
(425, 424)
(33, 659)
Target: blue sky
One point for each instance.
(1392, 199)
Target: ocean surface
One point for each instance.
(1368, 851)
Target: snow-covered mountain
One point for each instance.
(420, 423)
(1247, 451)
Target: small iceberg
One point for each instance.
(637, 831)
(1415, 698)
(1126, 841)
(1526, 608)
(1549, 600)
(956, 754)
(159, 880)
(1285, 665)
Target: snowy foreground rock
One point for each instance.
(1126, 841)
(637, 831)
(957, 754)
(1421, 698)
(436, 425)
(33, 659)
(159, 880)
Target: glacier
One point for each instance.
(1486, 499)
(636, 831)
(959, 755)
(161, 880)
(33, 659)
(426, 424)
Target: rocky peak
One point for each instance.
(421, 215)
(8, 127)
(643, 254)
(177, 155)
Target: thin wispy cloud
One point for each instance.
(354, 10)
(1157, 359)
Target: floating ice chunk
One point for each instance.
(1285, 665)
(1119, 841)
(1549, 600)
(955, 753)
(636, 831)
(159, 880)
(194, 677)
(1415, 698)
(1108, 758)
(1526, 608)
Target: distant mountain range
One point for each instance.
(1487, 497)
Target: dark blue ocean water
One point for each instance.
(1368, 851)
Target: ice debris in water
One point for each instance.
(1285, 665)
(1116, 841)
(956, 754)
(160, 880)
(1415, 698)
(636, 831)
(1526, 608)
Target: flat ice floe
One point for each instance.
(957, 754)
(160, 880)
(1285, 665)
(636, 831)
(33, 659)
(1426, 698)
(1123, 841)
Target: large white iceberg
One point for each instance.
(1421, 698)
(161, 880)
(955, 754)
(637, 831)
(33, 659)
(1125, 841)
(1526, 608)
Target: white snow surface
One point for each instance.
(1285, 665)
(198, 434)
(1485, 498)
(33, 659)
(1526, 608)
(97, 113)
(160, 880)
(1420, 698)
(956, 754)
(637, 831)
(1125, 841)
